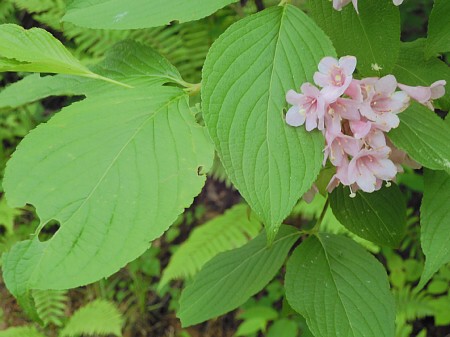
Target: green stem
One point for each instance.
(106, 79)
(284, 2)
(316, 227)
(192, 89)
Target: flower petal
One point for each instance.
(438, 89)
(294, 117)
(293, 97)
(386, 85)
(419, 93)
(328, 63)
(348, 64)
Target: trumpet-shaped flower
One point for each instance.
(308, 106)
(335, 76)
(425, 95)
(369, 167)
(381, 102)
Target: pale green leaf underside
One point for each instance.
(438, 40)
(229, 231)
(412, 68)
(435, 222)
(98, 318)
(373, 35)
(246, 76)
(21, 331)
(36, 50)
(115, 171)
(230, 278)
(379, 217)
(424, 136)
(133, 14)
(340, 289)
(128, 62)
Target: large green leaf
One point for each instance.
(229, 279)
(435, 222)
(379, 217)
(439, 28)
(127, 61)
(132, 14)
(412, 68)
(373, 35)
(339, 288)
(115, 171)
(229, 231)
(36, 50)
(246, 76)
(424, 136)
(98, 318)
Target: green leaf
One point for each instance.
(435, 223)
(229, 231)
(36, 50)
(251, 326)
(283, 328)
(424, 136)
(21, 331)
(115, 171)
(412, 68)
(339, 288)
(96, 318)
(123, 14)
(230, 278)
(128, 61)
(379, 217)
(246, 76)
(439, 28)
(373, 36)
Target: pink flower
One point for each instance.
(400, 158)
(369, 167)
(381, 103)
(360, 128)
(425, 95)
(341, 176)
(309, 107)
(339, 4)
(335, 76)
(339, 146)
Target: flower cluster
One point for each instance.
(338, 4)
(353, 116)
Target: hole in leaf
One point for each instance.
(200, 170)
(49, 230)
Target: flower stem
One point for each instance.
(316, 227)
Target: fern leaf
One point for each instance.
(412, 305)
(97, 318)
(51, 305)
(21, 331)
(231, 230)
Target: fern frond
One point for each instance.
(231, 230)
(218, 173)
(7, 11)
(96, 318)
(412, 304)
(51, 305)
(21, 331)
